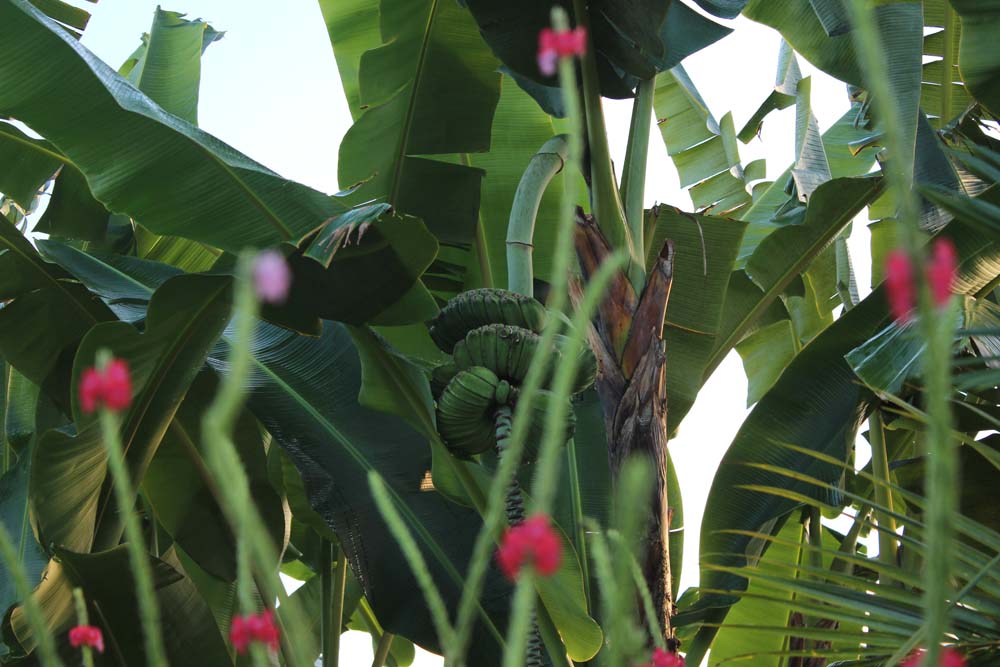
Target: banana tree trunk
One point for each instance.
(628, 341)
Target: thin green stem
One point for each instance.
(947, 62)
(521, 618)
(149, 611)
(605, 199)
(330, 657)
(231, 481)
(82, 618)
(636, 157)
(36, 619)
(579, 533)
(382, 649)
(544, 165)
(438, 609)
(883, 493)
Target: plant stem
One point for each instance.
(438, 609)
(883, 492)
(579, 532)
(36, 619)
(82, 618)
(149, 611)
(336, 623)
(636, 156)
(605, 200)
(382, 650)
(522, 617)
(544, 165)
(330, 658)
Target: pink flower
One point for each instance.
(251, 628)
(662, 658)
(109, 388)
(900, 288)
(87, 635)
(553, 45)
(271, 277)
(942, 270)
(949, 657)
(532, 542)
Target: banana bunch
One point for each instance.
(493, 335)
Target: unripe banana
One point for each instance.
(441, 376)
(467, 408)
(504, 349)
(476, 308)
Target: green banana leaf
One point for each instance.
(71, 19)
(943, 94)
(705, 249)
(27, 165)
(353, 27)
(978, 60)
(786, 253)
(703, 150)
(14, 516)
(40, 296)
(167, 68)
(192, 633)
(429, 90)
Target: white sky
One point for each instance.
(271, 89)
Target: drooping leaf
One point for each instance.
(26, 165)
(978, 59)
(703, 150)
(765, 354)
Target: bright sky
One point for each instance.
(270, 88)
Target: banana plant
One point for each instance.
(399, 357)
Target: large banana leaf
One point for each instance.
(943, 95)
(430, 89)
(822, 416)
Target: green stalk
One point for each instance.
(544, 165)
(521, 618)
(36, 619)
(941, 485)
(438, 609)
(947, 62)
(149, 611)
(326, 603)
(883, 493)
(82, 618)
(605, 200)
(382, 649)
(579, 533)
(226, 468)
(636, 156)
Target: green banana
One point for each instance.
(466, 413)
(476, 308)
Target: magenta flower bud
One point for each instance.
(271, 277)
